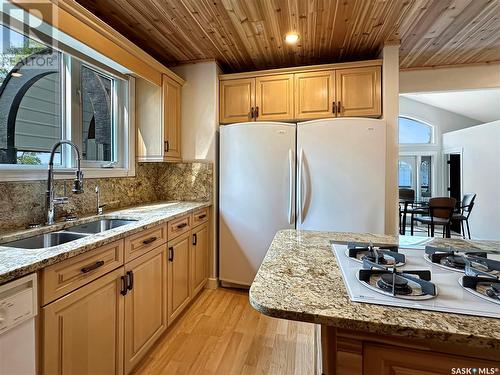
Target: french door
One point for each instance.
(415, 172)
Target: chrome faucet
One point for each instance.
(50, 199)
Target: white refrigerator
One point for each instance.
(326, 175)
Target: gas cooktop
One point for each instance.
(434, 278)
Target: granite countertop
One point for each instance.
(15, 262)
(299, 280)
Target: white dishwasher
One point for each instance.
(18, 308)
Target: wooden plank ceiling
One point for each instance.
(247, 35)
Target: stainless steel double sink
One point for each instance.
(51, 239)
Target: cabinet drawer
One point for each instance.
(64, 277)
(179, 226)
(144, 241)
(200, 216)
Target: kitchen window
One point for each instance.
(47, 95)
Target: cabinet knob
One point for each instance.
(256, 112)
(171, 254)
(252, 113)
(166, 146)
(195, 239)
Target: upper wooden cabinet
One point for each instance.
(306, 93)
(274, 97)
(171, 119)
(237, 100)
(315, 95)
(359, 92)
(158, 120)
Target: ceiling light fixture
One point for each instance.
(291, 38)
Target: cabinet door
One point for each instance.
(389, 360)
(237, 100)
(199, 258)
(83, 331)
(171, 119)
(274, 97)
(145, 304)
(178, 275)
(359, 92)
(314, 95)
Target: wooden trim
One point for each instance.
(489, 63)
(212, 283)
(300, 69)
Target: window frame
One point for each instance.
(432, 141)
(123, 117)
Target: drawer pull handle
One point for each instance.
(181, 225)
(130, 280)
(123, 292)
(202, 216)
(149, 240)
(92, 267)
(170, 254)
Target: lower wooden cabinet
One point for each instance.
(199, 258)
(145, 304)
(390, 360)
(348, 352)
(108, 325)
(178, 275)
(83, 331)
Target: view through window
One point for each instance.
(39, 87)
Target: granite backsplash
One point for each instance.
(22, 203)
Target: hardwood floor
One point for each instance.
(221, 333)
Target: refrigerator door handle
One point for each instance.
(290, 186)
(299, 186)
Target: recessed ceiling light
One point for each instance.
(291, 38)
(16, 74)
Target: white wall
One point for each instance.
(199, 127)
(443, 122)
(480, 147)
(450, 78)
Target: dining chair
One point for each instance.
(440, 212)
(408, 205)
(465, 210)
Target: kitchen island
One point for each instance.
(299, 279)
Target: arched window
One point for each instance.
(414, 131)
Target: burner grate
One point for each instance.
(382, 255)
